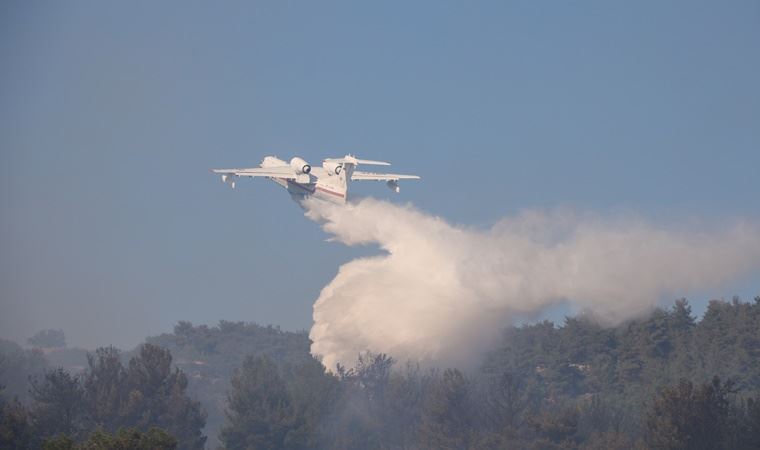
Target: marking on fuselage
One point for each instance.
(331, 192)
(312, 190)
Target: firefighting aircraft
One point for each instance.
(328, 182)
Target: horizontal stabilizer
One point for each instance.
(358, 175)
(372, 162)
(353, 160)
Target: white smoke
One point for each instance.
(441, 294)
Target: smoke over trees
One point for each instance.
(16, 366)
(544, 387)
(48, 339)
(665, 381)
(283, 414)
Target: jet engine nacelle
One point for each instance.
(393, 185)
(332, 168)
(300, 166)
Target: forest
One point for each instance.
(665, 381)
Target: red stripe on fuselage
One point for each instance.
(337, 194)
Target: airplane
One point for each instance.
(328, 182)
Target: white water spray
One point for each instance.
(441, 294)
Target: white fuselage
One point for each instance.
(323, 184)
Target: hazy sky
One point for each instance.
(111, 114)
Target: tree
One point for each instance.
(58, 404)
(751, 438)
(105, 387)
(688, 417)
(15, 427)
(611, 440)
(361, 416)
(448, 416)
(156, 398)
(123, 439)
(211, 355)
(680, 317)
(504, 402)
(313, 394)
(405, 394)
(149, 393)
(259, 407)
(60, 442)
(557, 427)
(744, 427)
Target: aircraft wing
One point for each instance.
(358, 175)
(273, 172)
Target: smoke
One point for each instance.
(441, 293)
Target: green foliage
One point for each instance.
(578, 386)
(58, 405)
(685, 416)
(123, 439)
(643, 384)
(448, 414)
(745, 428)
(105, 384)
(60, 442)
(260, 409)
(556, 427)
(612, 440)
(362, 416)
(210, 356)
(273, 407)
(146, 394)
(15, 427)
(704, 416)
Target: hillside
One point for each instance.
(210, 356)
(573, 385)
(621, 367)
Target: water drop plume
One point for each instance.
(440, 294)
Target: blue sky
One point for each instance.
(112, 113)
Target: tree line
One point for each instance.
(374, 407)
(109, 402)
(665, 381)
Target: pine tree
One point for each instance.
(448, 416)
(688, 417)
(58, 404)
(259, 407)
